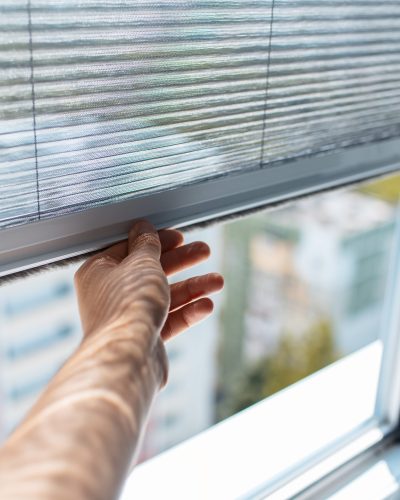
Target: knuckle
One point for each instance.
(193, 285)
(147, 239)
(94, 262)
(186, 318)
(79, 274)
(158, 292)
(88, 264)
(77, 278)
(189, 287)
(100, 260)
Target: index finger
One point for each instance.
(169, 238)
(144, 241)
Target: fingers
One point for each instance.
(182, 319)
(189, 290)
(143, 241)
(170, 239)
(181, 258)
(165, 239)
(117, 252)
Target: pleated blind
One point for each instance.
(104, 101)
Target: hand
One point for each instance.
(126, 284)
(97, 404)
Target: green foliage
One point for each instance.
(387, 189)
(296, 357)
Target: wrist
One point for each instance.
(136, 343)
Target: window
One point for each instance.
(287, 442)
(42, 340)
(21, 304)
(136, 109)
(184, 112)
(283, 322)
(30, 387)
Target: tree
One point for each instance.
(386, 189)
(296, 357)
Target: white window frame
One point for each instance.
(49, 240)
(388, 398)
(278, 448)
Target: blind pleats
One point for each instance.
(18, 188)
(103, 101)
(133, 97)
(333, 76)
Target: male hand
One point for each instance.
(80, 437)
(125, 287)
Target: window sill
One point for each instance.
(287, 437)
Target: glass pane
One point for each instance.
(304, 287)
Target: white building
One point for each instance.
(39, 329)
(324, 258)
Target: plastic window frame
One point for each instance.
(49, 240)
(202, 461)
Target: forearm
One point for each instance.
(81, 436)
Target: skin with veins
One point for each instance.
(81, 437)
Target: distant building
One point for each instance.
(39, 329)
(322, 258)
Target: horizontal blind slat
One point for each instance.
(298, 125)
(131, 140)
(16, 115)
(141, 96)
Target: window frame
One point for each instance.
(337, 461)
(335, 458)
(197, 459)
(49, 240)
(388, 397)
